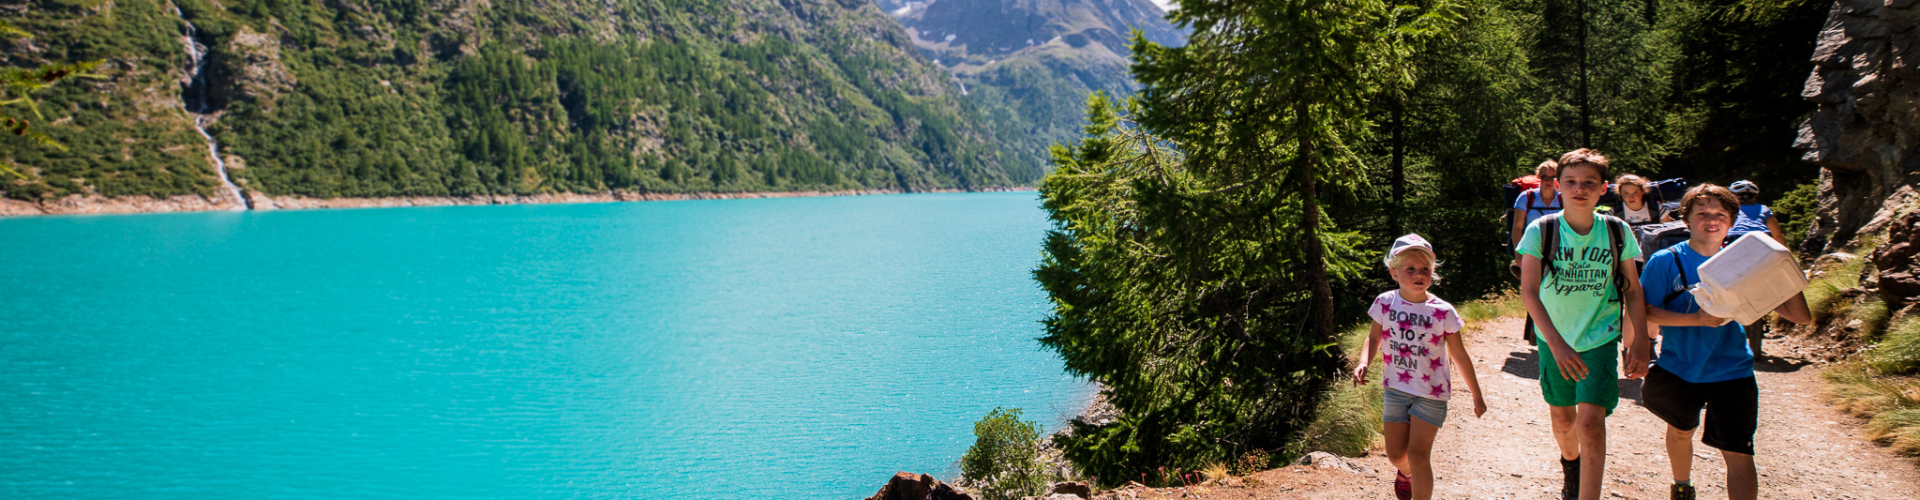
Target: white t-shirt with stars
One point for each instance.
(1413, 343)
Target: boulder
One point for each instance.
(1324, 460)
(1079, 489)
(1899, 278)
(910, 486)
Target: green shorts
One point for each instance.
(1601, 387)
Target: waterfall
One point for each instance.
(194, 100)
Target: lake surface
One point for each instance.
(727, 349)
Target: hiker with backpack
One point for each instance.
(1530, 206)
(1753, 216)
(1535, 203)
(1577, 279)
(1705, 362)
(1634, 205)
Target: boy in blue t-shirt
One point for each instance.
(1705, 362)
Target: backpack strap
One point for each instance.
(1613, 273)
(1549, 243)
(1685, 281)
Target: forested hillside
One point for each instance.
(343, 98)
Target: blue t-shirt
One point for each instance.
(1539, 207)
(1698, 354)
(1753, 219)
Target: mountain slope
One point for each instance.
(1029, 64)
(346, 98)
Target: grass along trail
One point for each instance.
(1806, 449)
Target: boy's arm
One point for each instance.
(1457, 349)
(1519, 228)
(1563, 355)
(1639, 344)
(1796, 309)
(1773, 229)
(1368, 350)
(1662, 317)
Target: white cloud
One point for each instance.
(1166, 5)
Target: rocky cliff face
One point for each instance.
(1866, 138)
(1028, 65)
(1866, 132)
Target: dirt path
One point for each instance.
(1806, 450)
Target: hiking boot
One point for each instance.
(1571, 490)
(1403, 486)
(1682, 491)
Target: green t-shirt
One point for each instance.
(1580, 298)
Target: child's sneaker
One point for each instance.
(1571, 490)
(1403, 486)
(1682, 491)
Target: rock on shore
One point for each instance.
(910, 486)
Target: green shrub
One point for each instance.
(1899, 429)
(1823, 292)
(1251, 462)
(1507, 303)
(1003, 463)
(1349, 418)
(1899, 351)
(1349, 422)
(1796, 211)
(1890, 402)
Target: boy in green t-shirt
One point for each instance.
(1576, 276)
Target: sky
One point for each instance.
(1166, 5)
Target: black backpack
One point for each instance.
(1655, 237)
(1668, 190)
(1550, 246)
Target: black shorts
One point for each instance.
(1733, 407)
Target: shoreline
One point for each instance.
(95, 204)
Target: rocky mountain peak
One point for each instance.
(952, 31)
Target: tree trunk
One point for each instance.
(1322, 291)
(1399, 180)
(1586, 108)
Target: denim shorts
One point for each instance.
(1399, 405)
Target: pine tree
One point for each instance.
(1197, 285)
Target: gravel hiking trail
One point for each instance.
(1806, 449)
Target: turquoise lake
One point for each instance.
(726, 349)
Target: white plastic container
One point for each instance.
(1748, 279)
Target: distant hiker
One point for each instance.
(1531, 206)
(1414, 324)
(1535, 203)
(1634, 207)
(1577, 277)
(1753, 217)
(1705, 362)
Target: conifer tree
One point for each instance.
(1192, 264)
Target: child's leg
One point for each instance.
(1743, 480)
(1680, 453)
(1563, 432)
(1591, 423)
(1396, 435)
(1420, 457)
